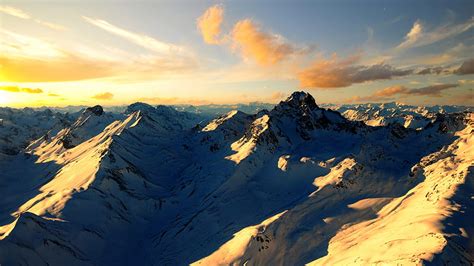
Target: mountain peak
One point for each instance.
(300, 100)
(96, 110)
(139, 106)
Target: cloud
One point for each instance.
(278, 95)
(53, 95)
(67, 68)
(418, 36)
(401, 91)
(336, 73)
(29, 59)
(390, 91)
(466, 68)
(14, 12)
(262, 47)
(210, 23)
(466, 81)
(433, 90)
(466, 98)
(51, 25)
(104, 96)
(432, 71)
(247, 38)
(19, 89)
(23, 15)
(139, 39)
(413, 35)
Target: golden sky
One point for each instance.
(72, 53)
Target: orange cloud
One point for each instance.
(390, 92)
(262, 47)
(336, 73)
(49, 70)
(210, 24)
(30, 59)
(18, 89)
(278, 95)
(104, 96)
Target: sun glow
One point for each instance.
(4, 98)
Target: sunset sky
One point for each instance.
(71, 52)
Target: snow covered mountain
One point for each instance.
(19, 127)
(415, 117)
(298, 184)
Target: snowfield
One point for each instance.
(384, 184)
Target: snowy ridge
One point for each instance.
(415, 117)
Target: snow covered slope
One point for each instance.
(298, 184)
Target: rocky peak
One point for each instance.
(299, 100)
(96, 110)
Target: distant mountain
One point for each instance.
(20, 126)
(213, 110)
(289, 185)
(385, 113)
(208, 110)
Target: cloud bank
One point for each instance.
(336, 73)
(401, 91)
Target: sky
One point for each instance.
(70, 52)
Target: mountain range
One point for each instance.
(293, 184)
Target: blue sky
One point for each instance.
(117, 52)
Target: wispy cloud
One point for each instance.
(30, 59)
(142, 40)
(209, 24)
(23, 15)
(413, 35)
(389, 93)
(107, 96)
(336, 73)
(14, 12)
(20, 89)
(420, 36)
(278, 95)
(51, 25)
